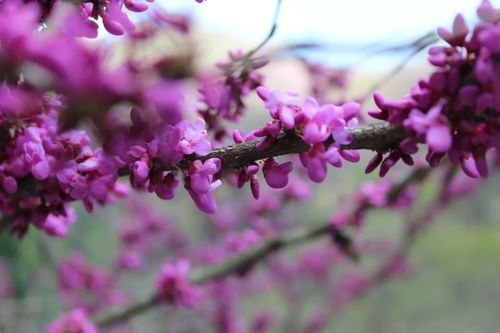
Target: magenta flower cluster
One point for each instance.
(74, 120)
(85, 286)
(455, 111)
(138, 146)
(113, 13)
(45, 164)
(352, 211)
(324, 127)
(73, 321)
(222, 99)
(144, 233)
(173, 284)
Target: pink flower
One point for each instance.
(57, 225)
(488, 13)
(74, 321)
(316, 159)
(321, 122)
(238, 242)
(280, 105)
(200, 183)
(173, 284)
(276, 174)
(165, 189)
(458, 34)
(114, 20)
(135, 5)
(194, 138)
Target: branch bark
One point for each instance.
(379, 137)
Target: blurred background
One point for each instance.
(453, 285)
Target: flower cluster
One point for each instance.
(42, 170)
(74, 321)
(324, 127)
(222, 98)
(150, 231)
(83, 23)
(152, 149)
(45, 163)
(239, 242)
(200, 183)
(455, 111)
(74, 117)
(173, 284)
(370, 194)
(86, 287)
(324, 80)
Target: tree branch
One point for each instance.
(237, 264)
(380, 137)
(243, 262)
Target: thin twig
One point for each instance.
(418, 45)
(414, 226)
(271, 33)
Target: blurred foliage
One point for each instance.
(454, 287)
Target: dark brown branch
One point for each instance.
(379, 137)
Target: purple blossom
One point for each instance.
(321, 122)
(263, 321)
(317, 158)
(165, 189)
(57, 225)
(458, 34)
(239, 242)
(200, 183)
(249, 174)
(453, 111)
(276, 174)
(222, 97)
(74, 321)
(85, 286)
(488, 13)
(350, 284)
(194, 139)
(173, 284)
(130, 260)
(114, 20)
(316, 125)
(280, 105)
(135, 5)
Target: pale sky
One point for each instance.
(327, 21)
(340, 21)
